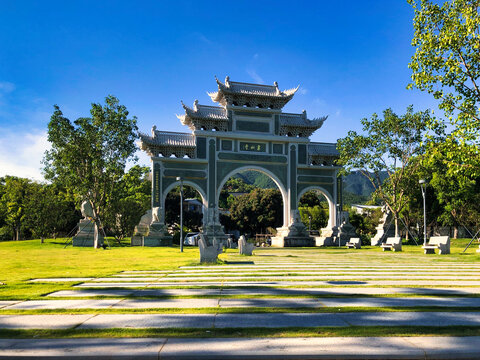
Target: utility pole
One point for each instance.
(423, 186)
(181, 213)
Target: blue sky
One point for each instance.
(349, 57)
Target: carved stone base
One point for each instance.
(215, 235)
(293, 241)
(157, 236)
(85, 236)
(153, 240)
(137, 240)
(293, 236)
(327, 237)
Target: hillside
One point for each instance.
(357, 188)
(358, 184)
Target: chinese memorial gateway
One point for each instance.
(246, 131)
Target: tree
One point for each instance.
(129, 201)
(390, 144)
(255, 212)
(14, 200)
(457, 193)
(48, 210)
(89, 155)
(446, 64)
(314, 216)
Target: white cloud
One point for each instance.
(253, 74)
(21, 153)
(6, 87)
(317, 102)
(203, 38)
(302, 90)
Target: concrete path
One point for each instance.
(242, 348)
(290, 302)
(266, 291)
(240, 320)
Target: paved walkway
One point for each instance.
(319, 288)
(240, 320)
(290, 302)
(242, 348)
(334, 291)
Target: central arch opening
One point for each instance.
(251, 203)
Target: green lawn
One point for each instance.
(25, 260)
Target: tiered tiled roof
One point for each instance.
(203, 116)
(167, 143)
(299, 124)
(238, 93)
(322, 153)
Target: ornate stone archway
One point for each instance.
(248, 130)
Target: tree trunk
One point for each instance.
(96, 244)
(455, 232)
(17, 233)
(396, 225)
(42, 239)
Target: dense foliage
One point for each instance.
(389, 144)
(88, 157)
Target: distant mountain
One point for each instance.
(256, 178)
(358, 184)
(357, 188)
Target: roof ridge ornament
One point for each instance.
(227, 81)
(195, 105)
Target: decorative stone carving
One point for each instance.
(208, 253)
(86, 209)
(244, 247)
(142, 229)
(213, 231)
(85, 236)
(346, 230)
(294, 235)
(383, 229)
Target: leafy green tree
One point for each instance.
(129, 201)
(48, 210)
(89, 155)
(313, 198)
(390, 144)
(5, 230)
(365, 224)
(316, 216)
(255, 212)
(458, 193)
(446, 65)
(233, 185)
(14, 199)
